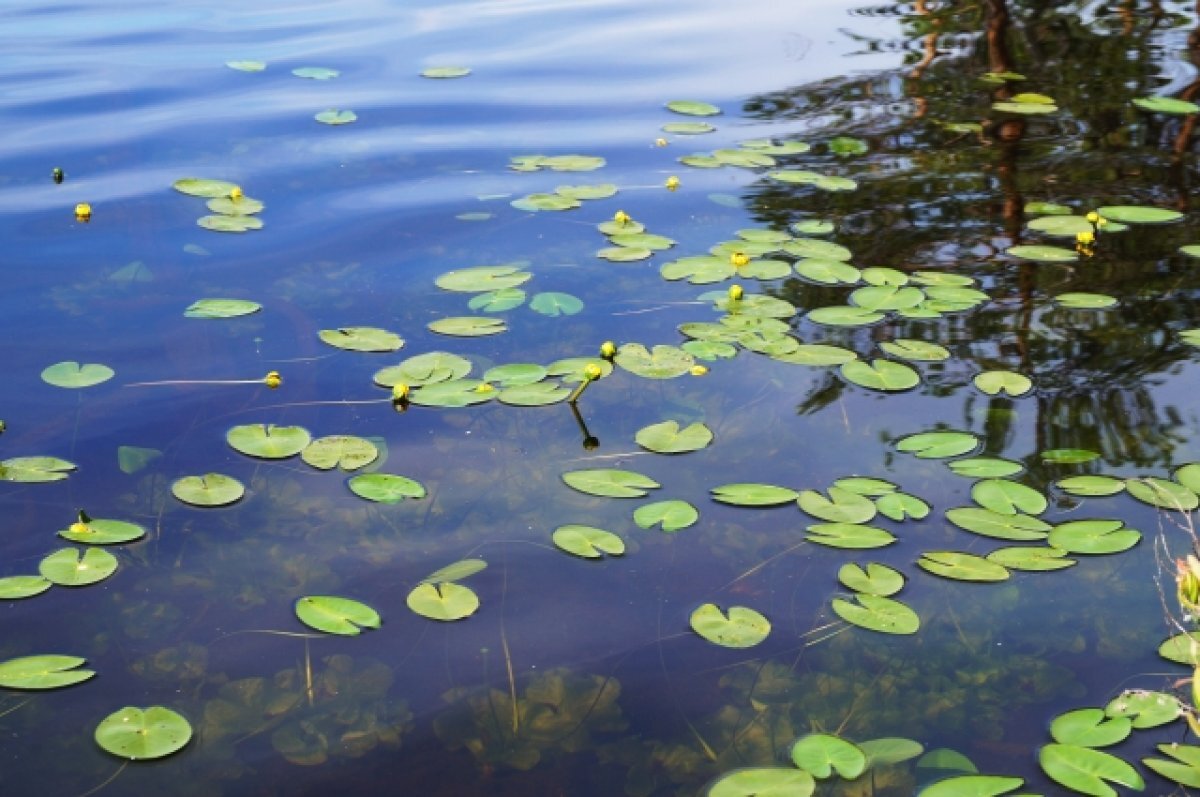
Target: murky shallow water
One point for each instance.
(615, 693)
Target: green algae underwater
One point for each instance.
(833, 439)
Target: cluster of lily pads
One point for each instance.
(232, 210)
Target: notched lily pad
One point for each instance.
(142, 734)
(211, 489)
(740, 628)
(71, 374)
(43, 672)
(335, 615)
(345, 451)
(610, 482)
(587, 541)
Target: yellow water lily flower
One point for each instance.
(235, 193)
(1093, 217)
(400, 391)
(660, 142)
(1085, 238)
(83, 211)
(272, 379)
(593, 371)
(608, 349)
(698, 370)
(739, 259)
(735, 292)
(622, 218)
(79, 527)
(672, 183)
(485, 387)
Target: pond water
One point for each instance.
(575, 676)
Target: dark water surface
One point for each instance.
(615, 694)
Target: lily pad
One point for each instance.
(1043, 254)
(268, 441)
(235, 224)
(1069, 456)
(624, 254)
(335, 116)
(467, 326)
(995, 383)
(555, 304)
(938, 445)
(98, 531)
(17, 587)
(68, 568)
(1182, 648)
(1090, 727)
(424, 369)
(385, 488)
(30, 470)
(1168, 105)
(345, 451)
(71, 374)
(842, 506)
(587, 541)
(1093, 537)
(863, 485)
(899, 506)
(821, 754)
(1063, 226)
(478, 279)
(661, 362)
(497, 301)
(1086, 771)
(1139, 214)
(875, 579)
(1162, 493)
(49, 671)
(851, 536)
(668, 438)
(751, 494)
(918, 350)
(877, 613)
(688, 128)
(1001, 526)
(985, 467)
(693, 108)
(211, 489)
(221, 308)
(1085, 301)
(1184, 769)
(890, 750)
(361, 339)
(335, 615)
(446, 601)
(455, 571)
(1090, 485)
(516, 374)
(827, 271)
(672, 515)
(141, 734)
(457, 393)
(816, 354)
(1006, 497)
(445, 72)
(740, 628)
(316, 72)
(961, 566)
(1033, 559)
(972, 786)
(536, 395)
(880, 375)
(202, 187)
(763, 782)
(1145, 709)
(610, 482)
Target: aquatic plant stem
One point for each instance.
(111, 778)
(308, 676)
(512, 682)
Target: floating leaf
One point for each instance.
(668, 438)
(610, 482)
(709, 349)
(346, 451)
(268, 441)
(17, 587)
(1006, 497)
(1182, 648)
(1032, 559)
(938, 445)
(515, 374)
(886, 297)
(1162, 493)
(197, 186)
(467, 326)
(73, 375)
(985, 467)
(1168, 105)
(972, 786)
(845, 146)
(555, 304)
(1085, 770)
(536, 202)
(335, 615)
(334, 116)
(961, 566)
(211, 489)
(1145, 709)
(1090, 485)
(877, 613)
(624, 254)
(587, 541)
(1064, 226)
(849, 535)
(741, 628)
(98, 531)
(1043, 254)
(478, 279)
(821, 755)
(141, 734)
(673, 515)
(242, 206)
(497, 301)
(1000, 526)
(424, 369)
(662, 362)
(750, 494)
(361, 339)
(899, 506)
(693, 108)
(1139, 214)
(315, 72)
(222, 223)
(995, 383)
(915, 350)
(446, 601)
(43, 672)
(1089, 727)
(880, 375)
(846, 316)
(30, 470)
(1069, 456)
(385, 488)
(876, 579)
(865, 486)
(1093, 537)
(763, 782)
(221, 308)
(574, 369)
(828, 271)
(445, 72)
(456, 571)
(890, 750)
(68, 568)
(1085, 301)
(1185, 769)
(688, 128)
(246, 66)
(537, 395)
(458, 393)
(842, 506)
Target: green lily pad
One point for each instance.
(890, 750)
(899, 506)
(938, 445)
(1090, 727)
(242, 206)
(875, 579)
(424, 369)
(763, 782)
(1185, 769)
(455, 571)
(741, 628)
(497, 301)
(917, 350)
(335, 116)
(811, 248)
(1069, 456)
(1032, 559)
(1001, 526)
(458, 393)
(198, 186)
(1188, 475)
(842, 506)
(827, 271)
(693, 108)
(672, 515)
(1145, 709)
(972, 786)
(141, 734)
(668, 438)
(98, 531)
(886, 297)
(335, 615)
(445, 601)
(385, 488)
(1033, 104)
(540, 201)
(610, 482)
(642, 240)
(587, 541)
(661, 362)
(985, 467)
(574, 369)
(879, 276)
(961, 566)
(345, 451)
(863, 485)
(944, 278)
(1085, 301)
(268, 441)
(1093, 537)
(221, 308)
(361, 339)
(852, 536)
(1047, 208)
(1043, 254)
(1182, 648)
(698, 270)
(211, 489)
(1086, 771)
(445, 72)
(877, 613)
(995, 383)
(1006, 497)
(31, 470)
(68, 568)
(1139, 214)
(880, 375)
(467, 326)
(821, 755)
(1090, 485)
(17, 587)
(751, 494)
(1061, 226)
(536, 395)
(555, 304)
(246, 66)
(478, 279)
(236, 224)
(49, 671)
(73, 375)
(709, 350)
(688, 128)
(316, 72)
(845, 316)
(1162, 493)
(624, 254)
(516, 374)
(1168, 105)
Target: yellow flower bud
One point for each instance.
(622, 218)
(83, 211)
(739, 259)
(592, 371)
(485, 387)
(672, 183)
(735, 292)
(235, 193)
(1101, 222)
(79, 527)
(1085, 238)
(1092, 217)
(660, 142)
(273, 379)
(698, 370)
(608, 349)
(400, 392)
